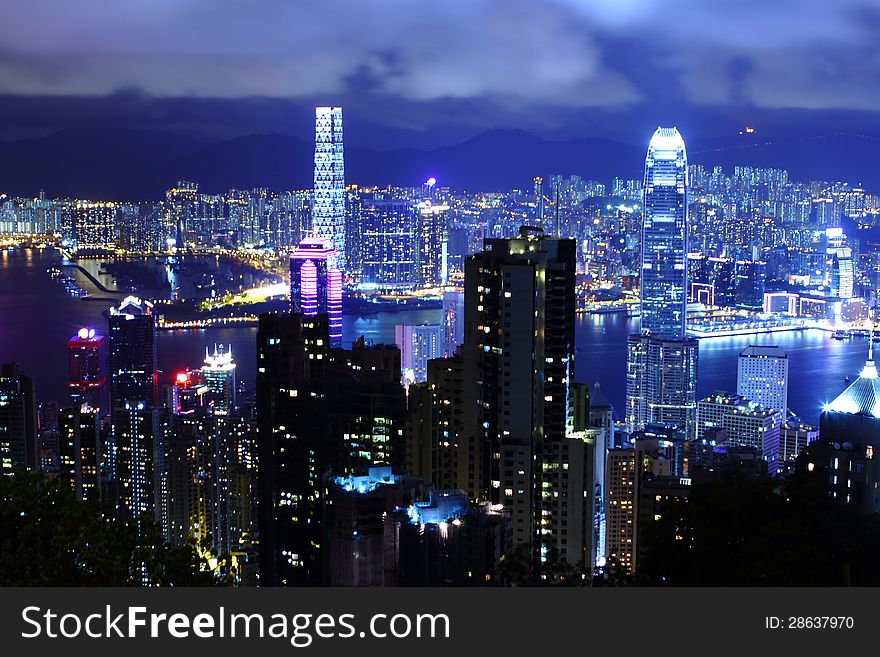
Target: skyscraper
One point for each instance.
(418, 343)
(539, 201)
(453, 320)
(132, 358)
(85, 374)
(664, 236)
(95, 225)
(18, 420)
(181, 209)
(662, 361)
(849, 441)
(79, 450)
(137, 454)
(218, 373)
(519, 340)
(842, 273)
(291, 350)
(762, 376)
(432, 244)
(749, 284)
(319, 412)
(389, 241)
(661, 381)
(328, 209)
(316, 283)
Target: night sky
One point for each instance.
(425, 74)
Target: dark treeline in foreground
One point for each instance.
(736, 532)
(48, 538)
(755, 532)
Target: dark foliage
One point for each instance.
(757, 532)
(48, 538)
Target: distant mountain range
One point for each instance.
(131, 164)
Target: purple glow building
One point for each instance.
(316, 284)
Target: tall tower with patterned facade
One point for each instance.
(328, 209)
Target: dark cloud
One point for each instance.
(221, 67)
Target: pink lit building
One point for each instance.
(316, 283)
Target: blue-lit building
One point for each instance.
(849, 443)
(750, 283)
(390, 233)
(328, 209)
(387, 529)
(418, 343)
(661, 360)
(664, 236)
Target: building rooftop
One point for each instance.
(862, 397)
(763, 351)
(667, 139)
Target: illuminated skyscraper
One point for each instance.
(18, 420)
(662, 361)
(432, 244)
(328, 210)
(85, 374)
(390, 236)
(539, 201)
(218, 373)
(453, 321)
(181, 209)
(664, 236)
(316, 283)
(842, 273)
(661, 381)
(762, 376)
(749, 284)
(132, 358)
(418, 343)
(79, 451)
(136, 455)
(849, 441)
(95, 225)
(519, 347)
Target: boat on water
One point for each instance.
(840, 335)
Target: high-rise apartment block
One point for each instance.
(762, 376)
(85, 371)
(418, 343)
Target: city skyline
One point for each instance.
(500, 411)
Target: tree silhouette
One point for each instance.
(754, 532)
(48, 538)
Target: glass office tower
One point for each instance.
(664, 236)
(661, 360)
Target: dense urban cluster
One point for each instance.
(467, 453)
